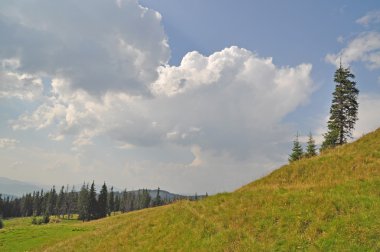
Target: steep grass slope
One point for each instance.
(327, 203)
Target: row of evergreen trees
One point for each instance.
(39, 203)
(343, 116)
(86, 203)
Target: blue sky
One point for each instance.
(191, 96)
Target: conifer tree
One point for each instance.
(92, 203)
(83, 207)
(311, 148)
(51, 201)
(71, 202)
(102, 202)
(343, 111)
(297, 151)
(37, 204)
(117, 202)
(157, 201)
(60, 202)
(146, 198)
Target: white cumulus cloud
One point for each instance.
(229, 101)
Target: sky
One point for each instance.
(191, 96)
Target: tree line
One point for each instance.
(343, 116)
(86, 203)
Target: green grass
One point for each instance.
(20, 235)
(326, 203)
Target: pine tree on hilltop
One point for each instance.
(311, 148)
(343, 111)
(297, 151)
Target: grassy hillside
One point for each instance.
(326, 203)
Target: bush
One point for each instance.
(1, 224)
(37, 220)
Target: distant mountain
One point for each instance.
(17, 188)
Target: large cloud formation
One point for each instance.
(106, 74)
(224, 102)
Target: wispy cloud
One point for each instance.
(372, 17)
(365, 48)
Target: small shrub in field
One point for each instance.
(38, 220)
(1, 224)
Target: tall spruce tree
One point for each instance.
(83, 207)
(311, 148)
(343, 111)
(37, 204)
(92, 203)
(146, 198)
(117, 202)
(297, 151)
(157, 201)
(60, 202)
(51, 202)
(102, 202)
